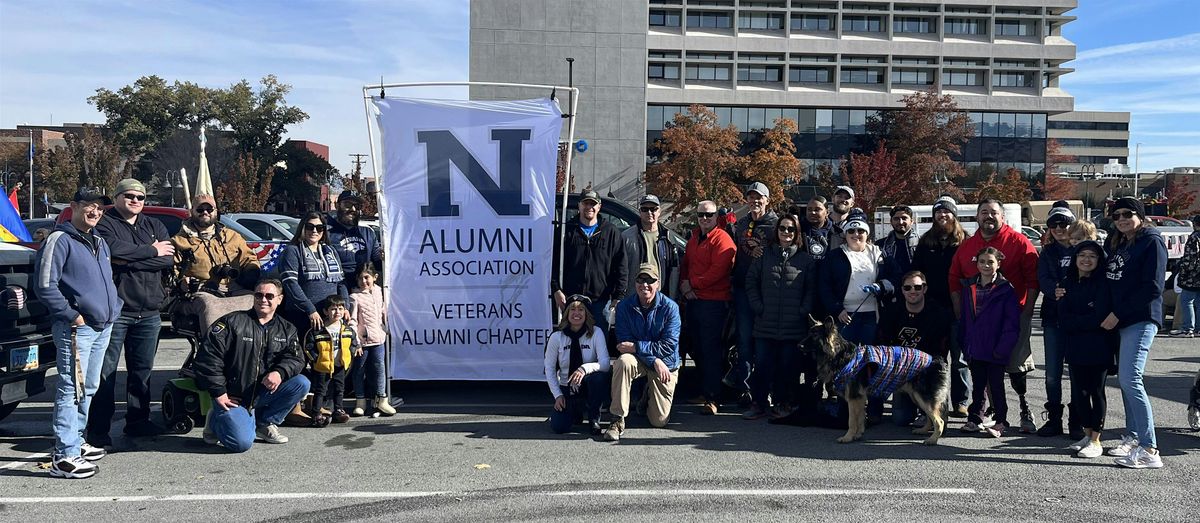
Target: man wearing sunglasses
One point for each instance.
(141, 255)
(250, 363)
(917, 324)
(647, 242)
(218, 260)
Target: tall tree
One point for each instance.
(1180, 195)
(1056, 187)
(89, 159)
(143, 115)
(1009, 187)
(775, 159)
(298, 186)
(243, 190)
(925, 135)
(358, 185)
(877, 180)
(697, 160)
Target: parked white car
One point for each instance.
(270, 227)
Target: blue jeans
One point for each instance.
(739, 374)
(1135, 348)
(138, 337)
(369, 368)
(1055, 358)
(70, 417)
(960, 375)
(706, 322)
(774, 363)
(904, 411)
(594, 392)
(1189, 305)
(235, 428)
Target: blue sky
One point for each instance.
(1141, 56)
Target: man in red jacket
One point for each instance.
(705, 284)
(1020, 269)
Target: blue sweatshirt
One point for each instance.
(74, 278)
(1136, 271)
(654, 331)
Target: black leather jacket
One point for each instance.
(237, 352)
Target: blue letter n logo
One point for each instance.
(442, 149)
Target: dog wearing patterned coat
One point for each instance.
(861, 371)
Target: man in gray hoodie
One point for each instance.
(75, 282)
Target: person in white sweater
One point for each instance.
(577, 368)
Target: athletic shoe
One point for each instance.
(595, 426)
(920, 420)
(754, 412)
(74, 467)
(1140, 458)
(270, 434)
(996, 430)
(1194, 417)
(1185, 334)
(615, 430)
(340, 416)
(1027, 424)
(780, 411)
(1126, 446)
(959, 411)
(1079, 445)
(709, 408)
(1092, 450)
(90, 453)
(971, 427)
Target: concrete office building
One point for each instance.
(827, 64)
(1094, 139)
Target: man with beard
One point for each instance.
(819, 235)
(915, 323)
(900, 245)
(1020, 269)
(141, 254)
(356, 244)
(843, 201)
(750, 234)
(217, 261)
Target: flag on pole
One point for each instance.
(12, 229)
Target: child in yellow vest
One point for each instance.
(329, 351)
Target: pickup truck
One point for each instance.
(26, 346)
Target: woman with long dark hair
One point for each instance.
(311, 271)
(1137, 266)
(934, 255)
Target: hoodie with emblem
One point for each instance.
(1136, 271)
(74, 277)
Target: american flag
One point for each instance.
(267, 253)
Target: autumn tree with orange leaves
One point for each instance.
(1009, 187)
(775, 159)
(697, 160)
(241, 190)
(1180, 196)
(924, 135)
(877, 180)
(1055, 187)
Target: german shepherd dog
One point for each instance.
(929, 389)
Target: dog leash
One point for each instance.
(842, 329)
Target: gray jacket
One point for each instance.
(781, 286)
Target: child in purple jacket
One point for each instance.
(991, 323)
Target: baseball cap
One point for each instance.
(649, 269)
(845, 188)
(349, 195)
(91, 194)
(589, 194)
(649, 199)
(204, 198)
(760, 188)
(129, 184)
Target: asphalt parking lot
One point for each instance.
(484, 451)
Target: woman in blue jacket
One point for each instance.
(1136, 269)
(311, 271)
(1083, 301)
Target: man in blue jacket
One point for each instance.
(141, 253)
(648, 340)
(75, 282)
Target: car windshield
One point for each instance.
(290, 224)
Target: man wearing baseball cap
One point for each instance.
(648, 243)
(141, 253)
(751, 233)
(843, 201)
(593, 260)
(357, 245)
(74, 280)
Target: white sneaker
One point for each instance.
(74, 467)
(1140, 458)
(90, 452)
(270, 434)
(1092, 450)
(1128, 443)
(1081, 444)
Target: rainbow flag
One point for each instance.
(12, 229)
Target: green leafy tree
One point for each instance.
(298, 187)
(89, 159)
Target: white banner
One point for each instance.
(467, 204)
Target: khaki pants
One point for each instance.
(628, 368)
(1022, 356)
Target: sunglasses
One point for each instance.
(1122, 215)
(349, 206)
(784, 228)
(269, 296)
(649, 210)
(914, 287)
(132, 197)
(706, 214)
(645, 280)
(319, 227)
(205, 209)
(856, 231)
(1060, 225)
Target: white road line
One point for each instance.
(780, 493)
(37, 456)
(222, 497)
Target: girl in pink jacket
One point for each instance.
(367, 370)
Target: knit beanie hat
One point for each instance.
(1131, 203)
(946, 203)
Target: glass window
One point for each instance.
(1024, 124)
(740, 118)
(1015, 27)
(663, 71)
(976, 122)
(654, 118)
(708, 72)
(824, 121)
(990, 121)
(912, 77)
(760, 21)
(861, 23)
(841, 121)
(709, 20)
(759, 73)
(1039, 126)
(911, 24)
(811, 23)
(858, 121)
(758, 118)
(723, 116)
(772, 115)
(1007, 126)
(807, 122)
(661, 18)
(809, 75)
(961, 78)
(965, 26)
(792, 114)
(1011, 79)
(862, 76)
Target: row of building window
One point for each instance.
(854, 59)
(847, 121)
(1090, 126)
(868, 76)
(850, 23)
(1092, 142)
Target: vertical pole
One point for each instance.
(31, 216)
(562, 215)
(1137, 170)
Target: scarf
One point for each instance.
(576, 360)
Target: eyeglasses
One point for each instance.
(915, 287)
(132, 197)
(269, 296)
(205, 209)
(649, 210)
(784, 228)
(1060, 225)
(706, 214)
(319, 227)
(645, 280)
(1121, 215)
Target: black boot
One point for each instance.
(1074, 429)
(1053, 426)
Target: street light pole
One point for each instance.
(1137, 170)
